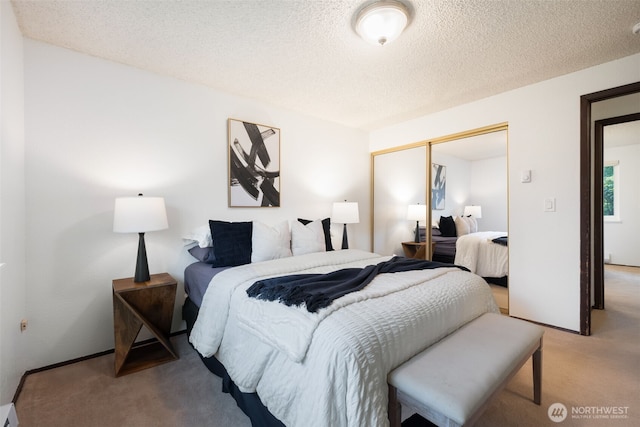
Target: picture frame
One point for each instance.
(254, 164)
(438, 186)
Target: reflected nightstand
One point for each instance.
(417, 250)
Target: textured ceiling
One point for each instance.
(305, 56)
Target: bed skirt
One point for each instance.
(500, 281)
(249, 403)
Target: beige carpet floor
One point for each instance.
(585, 374)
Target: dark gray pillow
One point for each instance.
(231, 243)
(203, 254)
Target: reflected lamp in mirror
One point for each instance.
(417, 213)
(345, 213)
(473, 211)
(139, 215)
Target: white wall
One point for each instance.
(544, 136)
(96, 130)
(13, 291)
(621, 238)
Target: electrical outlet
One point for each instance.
(23, 325)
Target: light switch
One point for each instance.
(525, 176)
(550, 205)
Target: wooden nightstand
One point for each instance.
(137, 304)
(417, 250)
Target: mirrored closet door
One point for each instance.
(454, 176)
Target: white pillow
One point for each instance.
(473, 224)
(462, 226)
(200, 235)
(306, 239)
(270, 242)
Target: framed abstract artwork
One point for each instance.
(254, 165)
(438, 186)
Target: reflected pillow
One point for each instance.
(462, 226)
(447, 226)
(473, 224)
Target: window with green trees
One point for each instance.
(608, 196)
(611, 191)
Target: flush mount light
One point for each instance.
(382, 22)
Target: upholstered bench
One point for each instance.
(452, 382)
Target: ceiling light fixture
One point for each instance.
(636, 28)
(382, 22)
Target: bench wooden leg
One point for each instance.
(395, 411)
(537, 374)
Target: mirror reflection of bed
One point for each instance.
(474, 172)
(474, 211)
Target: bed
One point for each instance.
(445, 247)
(484, 253)
(268, 353)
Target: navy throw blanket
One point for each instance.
(500, 240)
(320, 290)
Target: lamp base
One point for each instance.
(345, 240)
(417, 236)
(142, 267)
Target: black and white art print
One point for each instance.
(438, 186)
(254, 165)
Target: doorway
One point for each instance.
(591, 234)
(600, 197)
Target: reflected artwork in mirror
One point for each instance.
(438, 186)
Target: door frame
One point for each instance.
(591, 239)
(598, 223)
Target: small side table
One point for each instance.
(134, 305)
(417, 250)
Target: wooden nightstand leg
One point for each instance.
(140, 318)
(137, 304)
(126, 329)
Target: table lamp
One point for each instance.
(345, 213)
(417, 213)
(139, 215)
(474, 211)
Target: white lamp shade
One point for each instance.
(139, 214)
(474, 211)
(417, 213)
(382, 22)
(345, 213)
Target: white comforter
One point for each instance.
(480, 255)
(330, 368)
